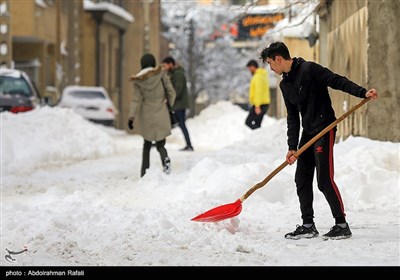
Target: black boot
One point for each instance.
(187, 148)
(167, 165)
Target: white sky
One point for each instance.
(71, 192)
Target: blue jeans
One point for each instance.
(181, 117)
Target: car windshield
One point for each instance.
(14, 86)
(87, 94)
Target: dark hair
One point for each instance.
(169, 59)
(252, 63)
(147, 60)
(275, 49)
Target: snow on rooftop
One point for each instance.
(299, 26)
(10, 72)
(109, 7)
(264, 9)
(299, 30)
(41, 3)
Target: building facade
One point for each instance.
(80, 42)
(360, 39)
(43, 40)
(351, 42)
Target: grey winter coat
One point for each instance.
(148, 105)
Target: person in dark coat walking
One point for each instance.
(178, 80)
(305, 92)
(148, 110)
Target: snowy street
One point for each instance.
(71, 193)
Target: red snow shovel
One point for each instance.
(230, 210)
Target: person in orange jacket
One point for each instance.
(259, 95)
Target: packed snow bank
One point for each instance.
(223, 120)
(54, 136)
(48, 136)
(99, 211)
(369, 172)
(217, 126)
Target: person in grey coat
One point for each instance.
(148, 110)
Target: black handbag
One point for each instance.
(172, 116)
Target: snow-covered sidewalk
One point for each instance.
(71, 193)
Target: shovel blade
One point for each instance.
(220, 213)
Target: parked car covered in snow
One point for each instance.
(17, 91)
(92, 103)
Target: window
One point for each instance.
(88, 94)
(14, 86)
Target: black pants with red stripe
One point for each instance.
(318, 157)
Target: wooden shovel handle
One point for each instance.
(302, 149)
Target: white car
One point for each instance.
(92, 103)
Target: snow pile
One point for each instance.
(99, 211)
(109, 7)
(369, 172)
(223, 120)
(49, 136)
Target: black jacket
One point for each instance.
(305, 92)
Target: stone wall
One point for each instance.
(383, 122)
